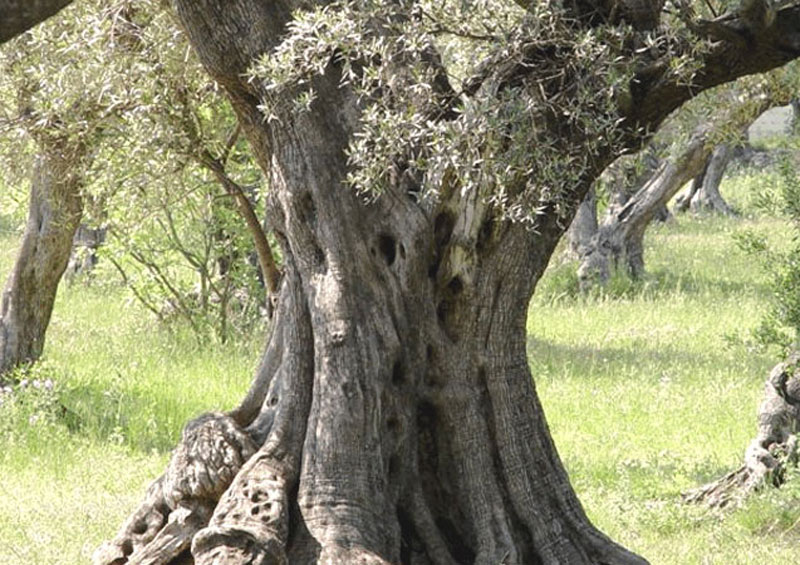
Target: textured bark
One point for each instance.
(53, 217)
(16, 16)
(773, 449)
(583, 227)
(393, 417)
(620, 238)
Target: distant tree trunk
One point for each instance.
(583, 227)
(774, 448)
(795, 123)
(683, 201)
(53, 217)
(620, 237)
(703, 195)
(85, 244)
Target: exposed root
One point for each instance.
(251, 520)
(179, 503)
(771, 452)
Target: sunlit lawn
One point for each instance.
(649, 389)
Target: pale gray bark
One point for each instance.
(772, 451)
(53, 217)
(708, 198)
(85, 244)
(636, 199)
(703, 194)
(17, 16)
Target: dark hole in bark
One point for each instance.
(455, 285)
(402, 249)
(307, 208)
(485, 233)
(319, 256)
(433, 268)
(408, 537)
(388, 247)
(394, 466)
(164, 510)
(443, 228)
(461, 552)
(255, 498)
(426, 423)
(393, 423)
(127, 547)
(139, 527)
(273, 401)
(398, 373)
(429, 353)
(255, 510)
(441, 311)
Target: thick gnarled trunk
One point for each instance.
(394, 414)
(393, 418)
(53, 217)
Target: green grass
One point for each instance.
(128, 386)
(650, 388)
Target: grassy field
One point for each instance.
(650, 389)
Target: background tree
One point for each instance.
(58, 128)
(772, 454)
(618, 240)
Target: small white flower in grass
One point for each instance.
(48, 384)
(23, 383)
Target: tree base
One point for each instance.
(772, 452)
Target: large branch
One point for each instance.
(742, 44)
(17, 16)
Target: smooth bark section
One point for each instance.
(703, 194)
(774, 448)
(53, 217)
(17, 16)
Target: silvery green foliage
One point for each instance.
(120, 77)
(443, 106)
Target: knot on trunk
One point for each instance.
(212, 450)
(252, 518)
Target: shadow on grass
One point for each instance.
(560, 286)
(583, 359)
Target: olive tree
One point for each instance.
(417, 194)
(55, 101)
